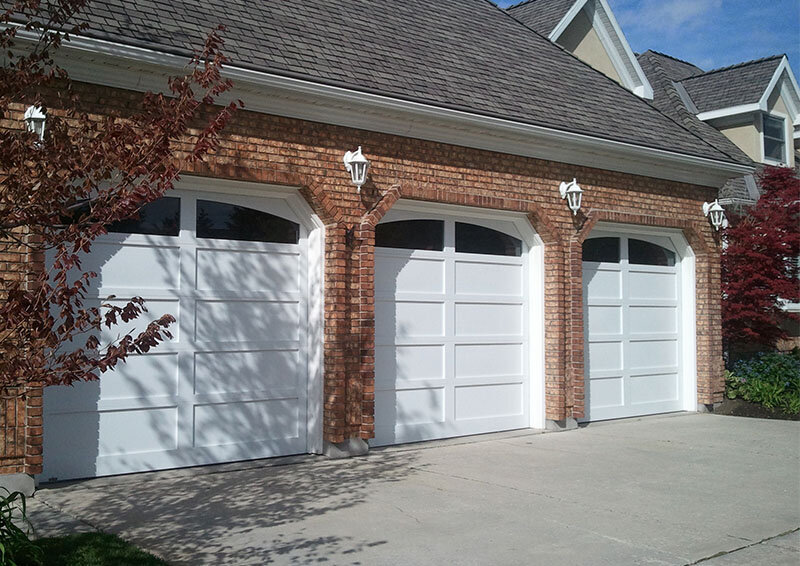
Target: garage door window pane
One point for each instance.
(647, 253)
(601, 249)
(411, 235)
(223, 221)
(159, 218)
(474, 239)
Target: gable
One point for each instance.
(582, 40)
(605, 30)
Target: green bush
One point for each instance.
(771, 379)
(16, 548)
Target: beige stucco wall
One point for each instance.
(581, 39)
(777, 105)
(747, 137)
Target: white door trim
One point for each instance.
(687, 277)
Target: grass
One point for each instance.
(94, 549)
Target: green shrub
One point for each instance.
(771, 379)
(16, 548)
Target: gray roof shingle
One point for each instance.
(463, 54)
(541, 15)
(743, 83)
(676, 69)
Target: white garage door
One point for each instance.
(232, 383)
(632, 319)
(451, 328)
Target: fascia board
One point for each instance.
(776, 77)
(732, 111)
(788, 87)
(566, 20)
(644, 84)
(89, 61)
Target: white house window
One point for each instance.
(774, 139)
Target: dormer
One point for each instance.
(755, 104)
(588, 30)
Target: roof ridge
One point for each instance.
(736, 66)
(517, 5)
(667, 55)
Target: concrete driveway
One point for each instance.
(678, 489)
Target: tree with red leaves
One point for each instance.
(759, 264)
(60, 192)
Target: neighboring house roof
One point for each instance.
(541, 15)
(465, 55)
(662, 72)
(553, 19)
(737, 85)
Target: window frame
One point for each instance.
(764, 137)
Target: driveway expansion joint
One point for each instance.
(734, 550)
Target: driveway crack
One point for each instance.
(726, 552)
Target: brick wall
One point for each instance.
(308, 155)
(20, 407)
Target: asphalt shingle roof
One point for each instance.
(744, 83)
(661, 71)
(541, 15)
(676, 69)
(462, 54)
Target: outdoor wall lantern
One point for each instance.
(716, 214)
(573, 193)
(357, 165)
(35, 121)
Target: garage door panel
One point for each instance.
(652, 354)
(488, 319)
(241, 372)
(499, 279)
(156, 308)
(222, 270)
(245, 422)
(606, 392)
(602, 284)
(409, 275)
(142, 376)
(651, 320)
(488, 401)
(647, 285)
(486, 360)
(134, 266)
(654, 388)
(409, 319)
(409, 363)
(604, 356)
(604, 320)
(141, 430)
(411, 406)
(241, 321)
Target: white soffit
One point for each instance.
(783, 80)
(614, 42)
